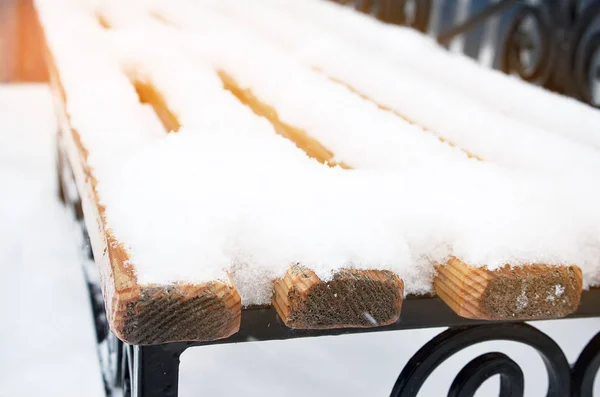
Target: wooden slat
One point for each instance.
(353, 298)
(137, 313)
(526, 292)
(149, 95)
(309, 145)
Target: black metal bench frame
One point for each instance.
(565, 44)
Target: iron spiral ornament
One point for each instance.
(585, 369)
(563, 39)
(585, 52)
(454, 340)
(472, 376)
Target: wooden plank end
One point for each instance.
(178, 312)
(530, 292)
(352, 299)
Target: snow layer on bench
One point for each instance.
(432, 234)
(215, 205)
(358, 133)
(244, 144)
(409, 49)
(470, 124)
(227, 194)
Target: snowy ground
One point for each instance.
(46, 335)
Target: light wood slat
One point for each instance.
(352, 298)
(137, 313)
(312, 147)
(149, 95)
(525, 293)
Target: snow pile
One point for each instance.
(215, 205)
(226, 194)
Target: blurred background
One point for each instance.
(21, 57)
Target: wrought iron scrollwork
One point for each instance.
(471, 377)
(586, 48)
(554, 44)
(586, 368)
(527, 48)
(453, 340)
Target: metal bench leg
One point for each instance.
(155, 370)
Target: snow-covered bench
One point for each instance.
(231, 155)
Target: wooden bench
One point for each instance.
(187, 313)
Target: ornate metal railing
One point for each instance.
(555, 44)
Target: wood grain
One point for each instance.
(352, 298)
(527, 292)
(141, 314)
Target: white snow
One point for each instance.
(410, 50)
(476, 126)
(354, 129)
(101, 103)
(46, 329)
(227, 195)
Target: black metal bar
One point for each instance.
(480, 369)
(260, 324)
(156, 371)
(586, 368)
(445, 37)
